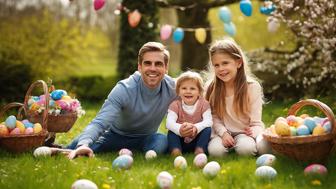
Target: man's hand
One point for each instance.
(227, 140)
(81, 151)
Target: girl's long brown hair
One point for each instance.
(216, 92)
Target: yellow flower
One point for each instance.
(106, 186)
(223, 171)
(316, 182)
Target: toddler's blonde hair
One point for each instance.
(190, 75)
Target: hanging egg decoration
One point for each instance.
(200, 35)
(267, 8)
(98, 4)
(230, 28)
(134, 18)
(246, 7)
(165, 32)
(225, 14)
(178, 35)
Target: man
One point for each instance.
(134, 109)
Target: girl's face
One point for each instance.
(225, 66)
(189, 92)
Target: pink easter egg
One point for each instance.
(98, 4)
(125, 151)
(29, 131)
(63, 104)
(165, 32)
(134, 18)
(15, 131)
(315, 169)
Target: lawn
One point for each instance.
(25, 171)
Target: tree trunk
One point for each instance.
(194, 54)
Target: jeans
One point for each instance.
(111, 141)
(201, 141)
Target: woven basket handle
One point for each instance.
(319, 105)
(14, 105)
(46, 104)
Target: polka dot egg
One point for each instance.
(315, 169)
(265, 172)
(265, 159)
(123, 162)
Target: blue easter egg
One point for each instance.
(178, 35)
(58, 94)
(225, 14)
(230, 28)
(246, 7)
(28, 124)
(310, 123)
(36, 98)
(11, 122)
(265, 159)
(51, 103)
(302, 130)
(266, 172)
(123, 162)
(318, 120)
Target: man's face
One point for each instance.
(152, 68)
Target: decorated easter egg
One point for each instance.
(29, 131)
(37, 128)
(84, 184)
(281, 119)
(246, 7)
(164, 180)
(265, 172)
(293, 131)
(150, 154)
(58, 94)
(51, 103)
(318, 130)
(123, 162)
(302, 130)
(4, 130)
(11, 122)
(303, 116)
(327, 126)
(30, 101)
(180, 163)
(42, 151)
(178, 35)
(211, 169)
(42, 100)
(292, 121)
(318, 120)
(125, 151)
(21, 126)
(27, 124)
(272, 129)
(15, 131)
(34, 106)
(310, 123)
(200, 160)
(315, 170)
(66, 98)
(265, 159)
(225, 14)
(64, 105)
(281, 128)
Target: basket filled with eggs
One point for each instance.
(63, 110)
(303, 137)
(18, 134)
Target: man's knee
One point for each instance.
(159, 143)
(216, 147)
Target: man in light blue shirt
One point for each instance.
(133, 111)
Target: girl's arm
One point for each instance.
(256, 124)
(218, 126)
(171, 124)
(206, 122)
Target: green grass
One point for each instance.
(24, 171)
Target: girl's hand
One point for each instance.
(194, 132)
(248, 131)
(227, 140)
(186, 130)
(81, 151)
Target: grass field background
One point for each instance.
(57, 172)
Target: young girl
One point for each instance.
(236, 99)
(189, 117)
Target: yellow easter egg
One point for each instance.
(34, 106)
(303, 116)
(21, 126)
(318, 130)
(66, 98)
(37, 128)
(272, 128)
(282, 128)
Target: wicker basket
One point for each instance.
(23, 142)
(305, 148)
(56, 123)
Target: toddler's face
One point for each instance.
(189, 92)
